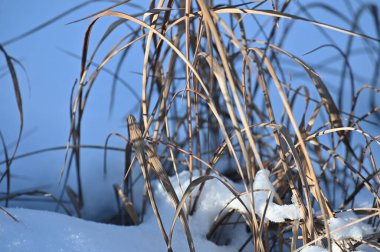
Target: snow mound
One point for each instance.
(216, 196)
(213, 199)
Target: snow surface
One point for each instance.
(49, 231)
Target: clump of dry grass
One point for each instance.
(215, 94)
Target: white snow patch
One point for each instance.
(263, 196)
(43, 231)
(366, 248)
(48, 231)
(314, 249)
(356, 231)
(336, 248)
(213, 199)
(216, 196)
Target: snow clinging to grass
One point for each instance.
(215, 196)
(341, 230)
(356, 231)
(263, 196)
(314, 249)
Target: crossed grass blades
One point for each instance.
(209, 78)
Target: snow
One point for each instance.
(216, 196)
(341, 230)
(365, 247)
(49, 231)
(335, 248)
(263, 196)
(356, 231)
(314, 249)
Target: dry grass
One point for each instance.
(215, 93)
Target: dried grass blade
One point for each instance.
(140, 148)
(164, 179)
(7, 172)
(18, 96)
(45, 24)
(290, 16)
(74, 200)
(9, 214)
(195, 73)
(316, 190)
(128, 205)
(189, 190)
